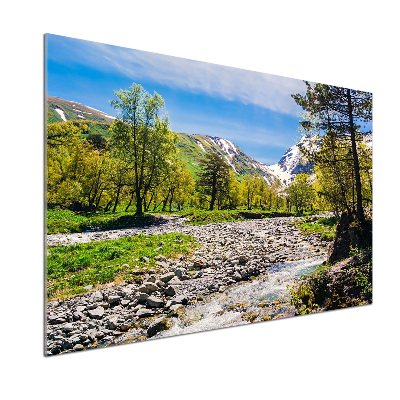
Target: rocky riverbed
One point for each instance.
(229, 254)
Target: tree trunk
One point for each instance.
(360, 210)
(165, 202)
(116, 200)
(213, 193)
(130, 201)
(139, 204)
(107, 207)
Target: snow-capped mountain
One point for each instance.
(293, 162)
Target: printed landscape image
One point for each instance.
(184, 196)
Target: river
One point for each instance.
(261, 299)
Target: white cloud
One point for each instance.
(267, 91)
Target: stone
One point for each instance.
(75, 340)
(113, 299)
(181, 299)
(199, 274)
(125, 326)
(175, 281)
(125, 303)
(159, 283)
(243, 259)
(67, 328)
(200, 263)
(66, 344)
(144, 313)
(167, 277)
(160, 324)
(56, 320)
(96, 313)
(160, 257)
(162, 264)
(236, 276)
(144, 259)
(96, 297)
(142, 297)
(88, 287)
(77, 316)
(148, 287)
(78, 347)
(155, 302)
(179, 272)
(100, 334)
(169, 291)
(112, 323)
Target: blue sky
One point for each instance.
(252, 109)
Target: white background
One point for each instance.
(345, 354)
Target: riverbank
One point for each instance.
(346, 283)
(229, 253)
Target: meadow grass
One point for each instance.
(70, 268)
(324, 227)
(66, 221)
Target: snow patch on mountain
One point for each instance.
(229, 148)
(60, 112)
(201, 145)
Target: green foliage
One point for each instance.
(325, 227)
(71, 267)
(141, 139)
(363, 279)
(300, 193)
(334, 286)
(215, 216)
(214, 177)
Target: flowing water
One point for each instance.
(258, 300)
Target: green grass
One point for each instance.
(70, 268)
(66, 221)
(324, 227)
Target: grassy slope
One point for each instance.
(70, 268)
(324, 227)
